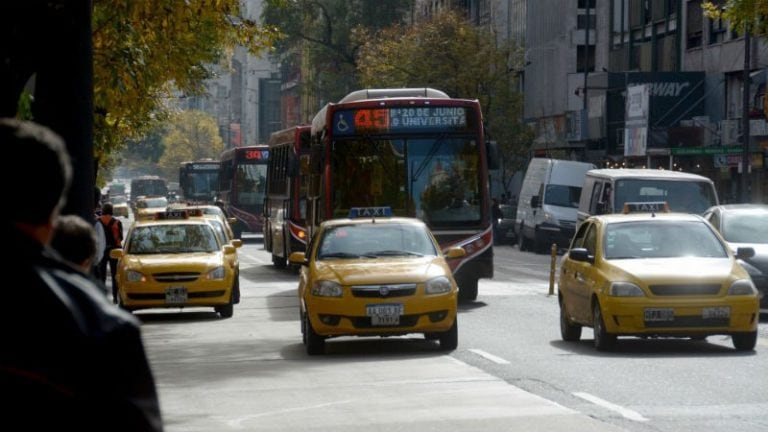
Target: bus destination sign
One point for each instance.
(254, 155)
(205, 166)
(393, 120)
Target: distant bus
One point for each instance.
(199, 180)
(285, 212)
(148, 186)
(417, 151)
(242, 186)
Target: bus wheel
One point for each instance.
(468, 289)
(278, 261)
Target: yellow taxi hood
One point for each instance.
(680, 269)
(380, 270)
(188, 261)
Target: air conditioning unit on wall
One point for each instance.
(729, 132)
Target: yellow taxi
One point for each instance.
(376, 276)
(655, 274)
(210, 212)
(176, 261)
(147, 207)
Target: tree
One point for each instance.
(189, 136)
(145, 52)
(465, 61)
(320, 30)
(741, 14)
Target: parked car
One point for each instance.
(746, 225)
(505, 230)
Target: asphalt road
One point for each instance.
(510, 372)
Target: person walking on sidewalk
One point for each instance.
(113, 235)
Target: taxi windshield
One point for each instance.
(375, 240)
(172, 239)
(661, 239)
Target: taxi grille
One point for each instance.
(383, 291)
(176, 277)
(685, 290)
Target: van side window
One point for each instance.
(595, 200)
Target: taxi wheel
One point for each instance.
(744, 341)
(278, 261)
(603, 340)
(226, 311)
(450, 339)
(568, 331)
(315, 343)
(236, 289)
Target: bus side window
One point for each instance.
(594, 202)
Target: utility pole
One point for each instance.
(745, 162)
(584, 112)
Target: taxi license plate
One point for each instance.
(384, 314)
(659, 314)
(175, 295)
(716, 312)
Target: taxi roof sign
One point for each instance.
(646, 207)
(364, 212)
(172, 214)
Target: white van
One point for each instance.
(606, 190)
(549, 198)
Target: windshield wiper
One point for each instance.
(345, 255)
(397, 253)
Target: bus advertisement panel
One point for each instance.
(242, 186)
(285, 213)
(416, 151)
(199, 180)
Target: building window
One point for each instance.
(580, 58)
(718, 27)
(583, 4)
(695, 17)
(581, 21)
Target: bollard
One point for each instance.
(552, 269)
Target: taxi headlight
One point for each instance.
(216, 274)
(742, 287)
(325, 288)
(438, 285)
(625, 289)
(134, 276)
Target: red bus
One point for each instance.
(285, 211)
(416, 151)
(242, 186)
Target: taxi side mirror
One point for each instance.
(745, 252)
(236, 243)
(456, 252)
(229, 249)
(581, 255)
(118, 253)
(298, 258)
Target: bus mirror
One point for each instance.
(492, 150)
(293, 165)
(316, 160)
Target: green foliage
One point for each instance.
(741, 14)
(465, 61)
(320, 31)
(145, 50)
(190, 135)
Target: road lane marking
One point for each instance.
(625, 412)
(489, 356)
(238, 422)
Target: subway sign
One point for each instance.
(401, 119)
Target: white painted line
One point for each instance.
(237, 423)
(625, 412)
(489, 356)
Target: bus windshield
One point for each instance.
(250, 184)
(435, 179)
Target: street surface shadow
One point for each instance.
(176, 315)
(631, 347)
(372, 348)
(471, 305)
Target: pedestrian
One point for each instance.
(75, 240)
(113, 236)
(69, 359)
(101, 241)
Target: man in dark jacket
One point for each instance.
(69, 360)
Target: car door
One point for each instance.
(570, 279)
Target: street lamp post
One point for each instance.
(745, 121)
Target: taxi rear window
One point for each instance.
(172, 239)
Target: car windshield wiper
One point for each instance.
(396, 253)
(345, 255)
